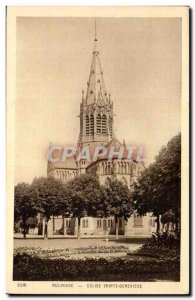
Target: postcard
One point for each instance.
(98, 150)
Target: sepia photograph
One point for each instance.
(97, 150)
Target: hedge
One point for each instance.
(28, 268)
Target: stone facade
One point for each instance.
(92, 227)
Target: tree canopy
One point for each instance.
(158, 189)
(86, 196)
(119, 200)
(25, 204)
(51, 194)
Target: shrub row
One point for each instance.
(30, 268)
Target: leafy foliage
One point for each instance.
(86, 196)
(161, 245)
(50, 191)
(119, 200)
(30, 268)
(50, 196)
(31, 222)
(25, 204)
(158, 189)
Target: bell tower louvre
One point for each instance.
(96, 108)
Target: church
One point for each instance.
(97, 129)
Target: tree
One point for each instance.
(169, 163)
(86, 197)
(50, 192)
(25, 204)
(31, 223)
(119, 202)
(146, 195)
(158, 189)
(167, 219)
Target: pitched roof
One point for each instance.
(69, 163)
(114, 142)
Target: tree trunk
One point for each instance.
(79, 228)
(24, 227)
(53, 225)
(40, 226)
(158, 223)
(116, 224)
(125, 230)
(45, 232)
(63, 226)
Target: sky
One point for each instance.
(141, 62)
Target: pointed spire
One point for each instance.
(124, 143)
(96, 91)
(83, 96)
(95, 39)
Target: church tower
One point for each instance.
(96, 108)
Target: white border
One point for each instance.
(4, 3)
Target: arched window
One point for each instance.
(109, 168)
(128, 168)
(87, 125)
(125, 168)
(106, 169)
(98, 123)
(91, 125)
(120, 168)
(104, 125)
(81, 123)
(103, 169)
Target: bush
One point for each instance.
(165, 244)
(32, 268)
